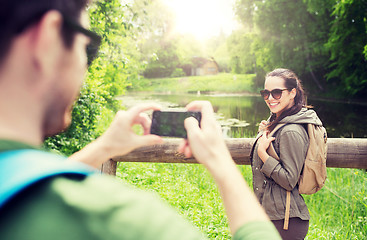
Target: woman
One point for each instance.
(272, 179)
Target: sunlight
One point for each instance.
(203, 18)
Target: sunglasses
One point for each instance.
(275, 93)
(95, 39)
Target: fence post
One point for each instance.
(109, 167)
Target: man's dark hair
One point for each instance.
(17, 15)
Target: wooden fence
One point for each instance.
(342, 153)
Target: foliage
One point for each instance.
(164, 62)
(216, 47)
(239, 45)
(320, 40)
(347, 44)
(157, 47)
(178, 72)
(162, 50)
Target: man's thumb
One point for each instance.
(191, 124)
(147, 140)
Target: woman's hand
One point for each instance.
(262, 125)
(264, 143)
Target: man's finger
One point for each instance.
(144, 121)
(135, 111)
(181, 146)
(205, 107)
(191, 125)
(149, 140)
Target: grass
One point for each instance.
(338, 211)
(186, 187)
(223, 82)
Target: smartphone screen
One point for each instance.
(171, 123)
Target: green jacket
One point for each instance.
(99, 207)
(272, 179)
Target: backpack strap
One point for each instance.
(271, 148)
(253, 146)
(271, 151)
(287, 210)
(20, 169)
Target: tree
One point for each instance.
(164, 52)
(242, 59)
(164, 63)
(347, 44)
(154, 23)
(318, 39)
(295, 30)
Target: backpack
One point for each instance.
(313, 174)
(19, 169)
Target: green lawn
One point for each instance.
(338, 211)
(223, 82)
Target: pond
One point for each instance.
(239, 115)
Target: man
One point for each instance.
(42, 65)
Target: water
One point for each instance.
(240, 115)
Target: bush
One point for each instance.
(178, 73)
(83, 127)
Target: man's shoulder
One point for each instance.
(99, 206)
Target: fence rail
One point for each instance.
(342, 153)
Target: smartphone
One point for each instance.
(171, 123)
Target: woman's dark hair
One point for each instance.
(290, 81)
(17, 15)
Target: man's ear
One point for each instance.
(293, 93)
(47, 42)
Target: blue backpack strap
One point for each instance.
(20, 169)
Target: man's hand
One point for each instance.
(119, 139)
(206, 143)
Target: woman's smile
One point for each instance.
(273, 104)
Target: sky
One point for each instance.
(203, 18)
